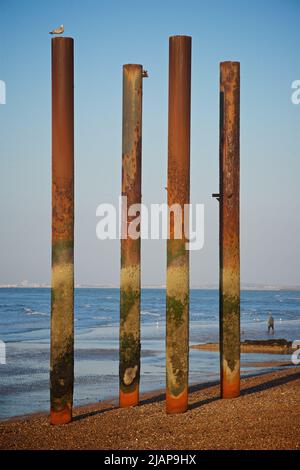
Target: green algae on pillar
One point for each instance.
(130, 282)
(229, 229)
(177, 285)
(62, 281)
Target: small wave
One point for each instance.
(29, 311)
(42, 314)
(151, 314)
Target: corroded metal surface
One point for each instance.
(62, 282)
(130, 283)
(177, 301)
(229, 229)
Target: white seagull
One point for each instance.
(58, 30)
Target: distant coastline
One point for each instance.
(244, 287)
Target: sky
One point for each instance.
(263, 35)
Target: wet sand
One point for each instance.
(267, 364)
(265, 416)
(271, 346)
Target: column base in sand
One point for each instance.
(177, 404)
(129, 398)
(61, 417)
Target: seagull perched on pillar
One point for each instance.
(58, 30)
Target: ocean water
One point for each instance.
(25, 329)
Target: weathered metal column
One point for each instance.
(177, 301)
(62, 283)
(130, 288)
(229, 229)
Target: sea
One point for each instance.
(25, 333)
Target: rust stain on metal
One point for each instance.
(62, 282)
(177, 331)
(229, 229)
(130, 285)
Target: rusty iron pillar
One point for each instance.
(229, 229)
(177, 286)
(62, 282)
(130, 282)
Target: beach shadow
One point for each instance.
(88, 414)
(198, 387)
(199, 404)
(247, 391)
(203, 386)
(270, 384)
(192, 388)
(154, 399)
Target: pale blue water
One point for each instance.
(25, 323)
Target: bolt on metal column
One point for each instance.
(62, 281)
(229, 229)
(177, 301)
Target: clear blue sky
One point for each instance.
(263, 35)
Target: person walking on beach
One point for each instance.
(270, 323)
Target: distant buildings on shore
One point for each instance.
(27, 284)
